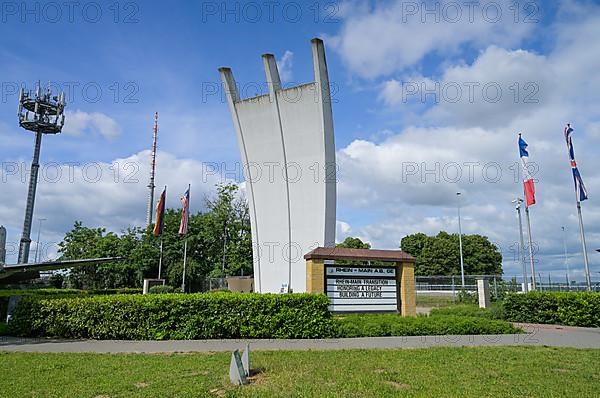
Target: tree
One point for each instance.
(353, 243)
(83, 242)
(228, 232)
(440, 254)
(223, 232)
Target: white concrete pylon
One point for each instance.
(287, 148)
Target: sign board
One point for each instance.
(356, 289)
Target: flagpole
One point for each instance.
(160, 258)
(184, 264)
(580, 194)
(584, 246)
(533, 282)
(518, 202)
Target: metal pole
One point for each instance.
(184, 265)
(588, 279)
(495, 288)
(33, 179)
(37, 245)
(151, 185)
(462, 265)
(566, 257)
(533, 282)
(224, 248)
(518, 207)
(160, 258)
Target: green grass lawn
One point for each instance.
(464, 372)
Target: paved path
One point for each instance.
(538, 335)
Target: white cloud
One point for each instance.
(404, 184)
(108, 194)
(285, 65)
(83, 123)
(390, 37)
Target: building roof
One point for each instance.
(342, 253)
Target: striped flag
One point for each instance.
(580, 190)
(185, 212)
(160, 214)
(528, 184)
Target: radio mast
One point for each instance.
(151, 185)
(40, 112)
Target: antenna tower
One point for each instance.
(41, 113)
(151, 185)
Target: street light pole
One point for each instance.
(518, 202)
(462, 264)
(566, 258)
(37, 245)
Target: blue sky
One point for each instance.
(162, 57)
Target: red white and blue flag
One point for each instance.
(528, 184)
(185, 212)
(580, 190)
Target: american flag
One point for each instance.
(185, 212)
(580, 190)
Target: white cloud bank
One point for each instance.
(408, 182)
(390, 36)
(81, 123)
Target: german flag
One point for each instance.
(160, 214)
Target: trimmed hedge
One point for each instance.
(379, 325)
(495, 312)
(176, 316)
(57, 293)
(66, 292)
(567, 308)
(161, 289)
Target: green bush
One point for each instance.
(495, 312)
(176, 316)
(567, 308)
(160, 289)
(467, 297)
(378, 325)
(66, 292)
(57, 293)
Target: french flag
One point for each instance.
(528, 185)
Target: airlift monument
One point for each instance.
(287, 148)
(288, 154)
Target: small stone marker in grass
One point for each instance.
(246, 360)
(239, 368)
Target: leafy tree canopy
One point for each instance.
(440, 254)
(219, 244)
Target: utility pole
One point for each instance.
(462, 264)
(2, 245)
